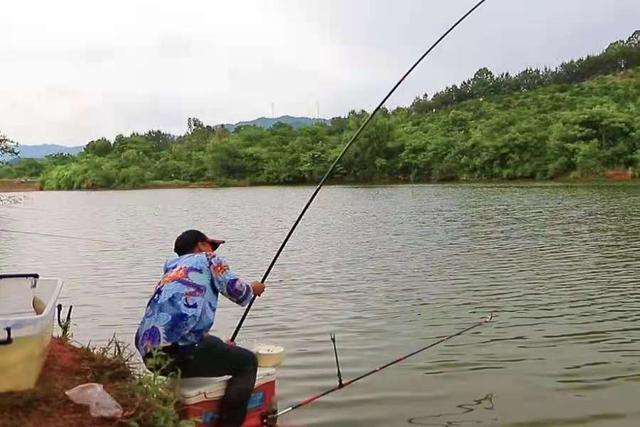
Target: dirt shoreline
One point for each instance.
(67, 366)
(17, 186)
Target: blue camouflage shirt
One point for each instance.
(183, 306)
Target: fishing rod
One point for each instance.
(342, 385)
(344, 150)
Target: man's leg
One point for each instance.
(214, 358)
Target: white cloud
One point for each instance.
(77, 70)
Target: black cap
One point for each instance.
(187, 241)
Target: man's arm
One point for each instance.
(230, 285)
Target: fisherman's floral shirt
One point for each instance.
(183, 306)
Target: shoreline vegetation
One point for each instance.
(613, 177)
(147, 400)
(575, 122)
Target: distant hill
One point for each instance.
(267, 122)
(42, 150)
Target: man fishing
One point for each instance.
(173, 334)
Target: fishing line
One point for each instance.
(344, 150)
(59, 236)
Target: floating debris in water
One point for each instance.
(10, 199)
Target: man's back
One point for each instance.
(182, 308)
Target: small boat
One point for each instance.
(26, 322)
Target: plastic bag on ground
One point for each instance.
(100, 403)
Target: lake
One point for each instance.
(388, 269)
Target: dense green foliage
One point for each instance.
(579, 119)
(618, 57)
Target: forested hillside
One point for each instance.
(579, 119)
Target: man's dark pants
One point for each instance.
(214, 358)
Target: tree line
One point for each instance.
(579, 119)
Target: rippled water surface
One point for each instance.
(388, 269)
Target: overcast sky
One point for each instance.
(72, 71)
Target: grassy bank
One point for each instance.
(146, 400)
(33, 185)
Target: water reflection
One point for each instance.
(461, 416)
(388, 269)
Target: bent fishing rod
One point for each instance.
(342, 385)
(342, 153)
